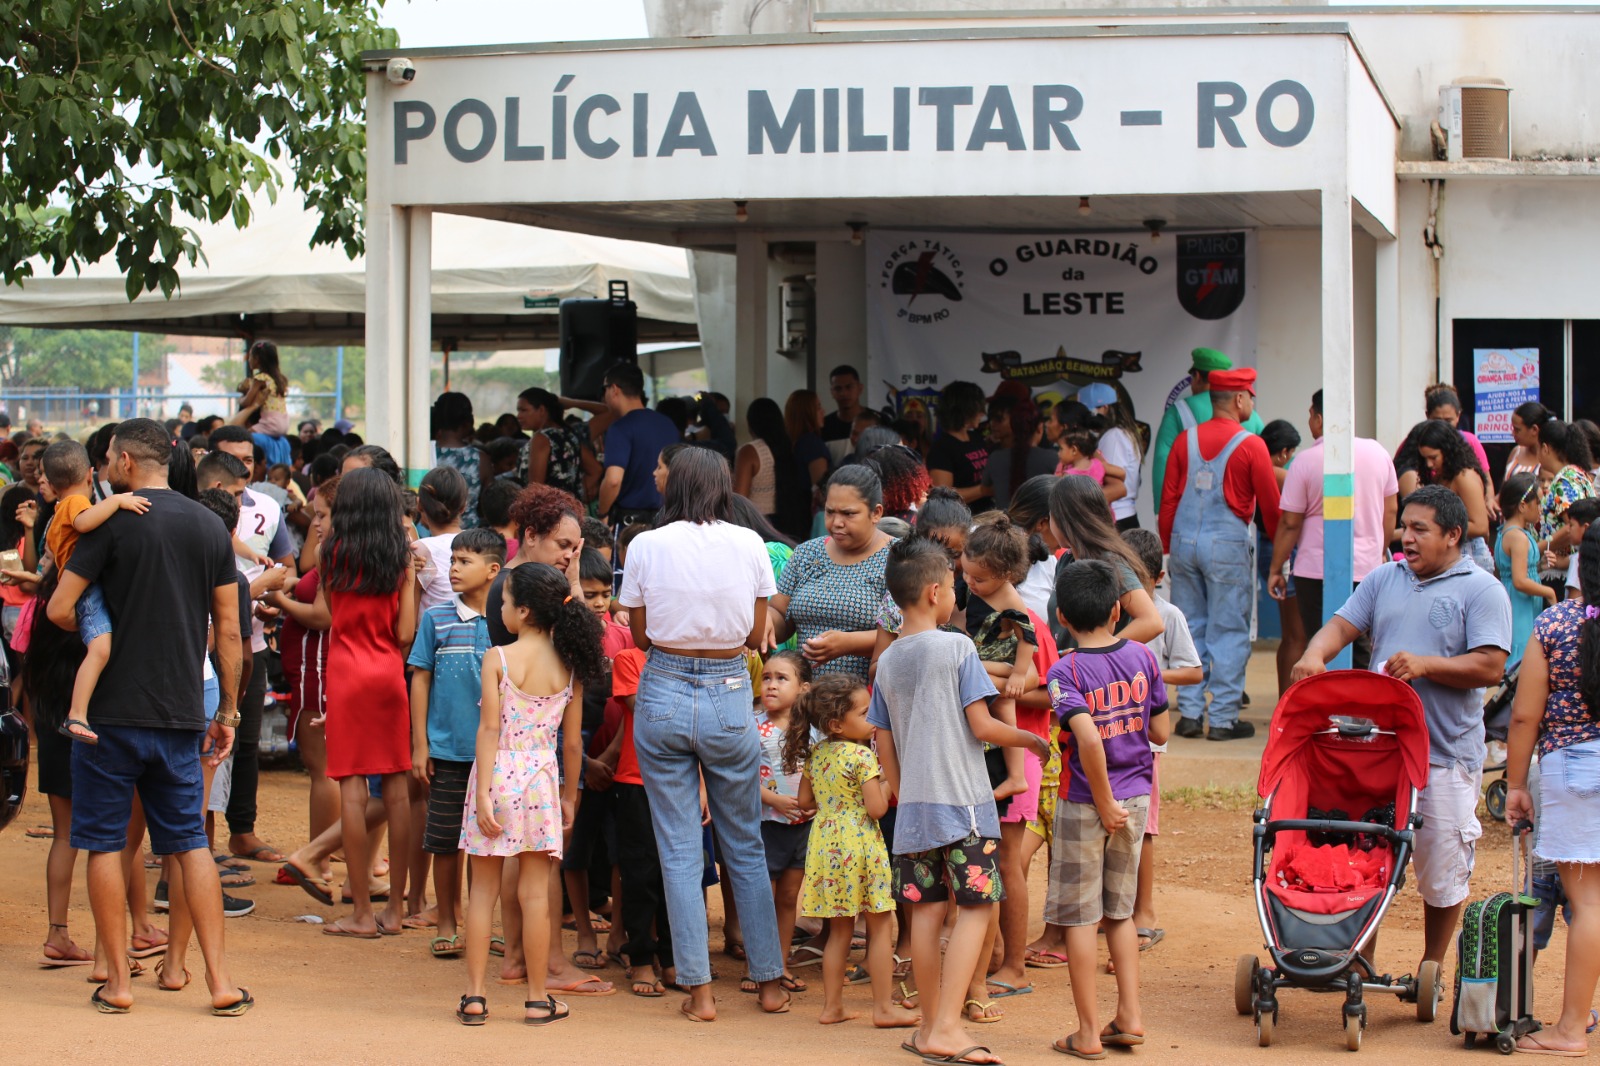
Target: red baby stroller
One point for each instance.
(1347, 754)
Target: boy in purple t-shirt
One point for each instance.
(1109, 697)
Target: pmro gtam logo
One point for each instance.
(928, 273)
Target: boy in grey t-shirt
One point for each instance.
(930, 707)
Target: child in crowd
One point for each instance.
(785, 823)
(282, 475)
(1108, 694)
(597, 535)
(515, 806)
(66, 467)
(1180, 665)
(446, 684)
(1516, 560)
(847, 872)
(1079, 452)
(264, 393)
(930, 707)
(442, 500)
(996, 557)
(647, 951)
(595, 826)
(494, 511)
(1576, 519)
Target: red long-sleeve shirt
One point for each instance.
(1247, 482)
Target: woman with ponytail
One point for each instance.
(1558, 708)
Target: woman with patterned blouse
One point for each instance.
(1558, 707)
(1564, 455)
(832, 587)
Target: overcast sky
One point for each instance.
(442, 23)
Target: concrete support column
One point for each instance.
(1338, 402)
(842, 315)
(752, 322)
(419, 344)
(388, 238)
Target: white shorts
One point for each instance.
(221, 787)
(1446, 843)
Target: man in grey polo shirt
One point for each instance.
(1443, 625)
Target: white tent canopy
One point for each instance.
(267, 281)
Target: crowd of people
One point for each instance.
(856, 672)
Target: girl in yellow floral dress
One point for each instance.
(847, 864)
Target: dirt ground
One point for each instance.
(388, 1002)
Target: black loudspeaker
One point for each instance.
(594, 335)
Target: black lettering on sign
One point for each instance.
(799, 121)
(1050, 121)
(1306, 114)
(944, 100)
(516, 151)
(686, 112)
(1214, 116)
(486, 130)
(405, 132)
(584, 136)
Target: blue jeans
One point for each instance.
(1211, 585)
(692, 717)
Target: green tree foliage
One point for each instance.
(88, 359)
(123, 112)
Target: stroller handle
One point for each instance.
(1401, 839)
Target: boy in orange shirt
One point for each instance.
(66, 468)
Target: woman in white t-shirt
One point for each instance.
(1122, 445)
(696, 588)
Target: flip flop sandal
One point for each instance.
(1594, 1021)
(856, 975)
(227, 862)
(910, 1044)
(735, 950)
(163, 986)
(104, 1007)
(906, 997)
(1072, 1049)
(791, 984)
(339, 930)
(654, 989)
(135, 969)
(1542, 1050)
(1151, 938)
(805, 955)
(902, 966)
(497, 946)
(692, 1016)
(784, 1009)
(263, 853)
(136, 952)
(961, 1057)
(235, 879)
(417, 921)
(615, 959)
(602, 988)
(594, 960)
(1114, 1037)
(472, 1019)
(299, 877)
(558, 1011)
(235, 1010)
(384, 930)
(983, 1017)
(748, 986)
(1046, 960)
(87, 736)
(1008, 990)
(61, 961)
(452, 946)
(40, 832)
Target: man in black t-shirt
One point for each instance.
(844, 385)
(165, 575)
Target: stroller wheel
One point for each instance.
(1264, 1027)
(1494, 798)
(1352, 1032)
(1505, 1043)
(1429, 991)
(1244, 984)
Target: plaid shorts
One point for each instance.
(1093, 874)
(968, 871)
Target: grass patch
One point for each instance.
(1213, 797)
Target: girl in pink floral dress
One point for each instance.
(518, 801)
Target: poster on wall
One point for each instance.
(1054, 312)
(1503, 379)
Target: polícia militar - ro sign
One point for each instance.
(1046, 116)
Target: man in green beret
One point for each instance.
(1189, 412)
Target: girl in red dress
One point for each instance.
(367, 600)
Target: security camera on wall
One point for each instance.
(401, 70)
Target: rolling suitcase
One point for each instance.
(1494, 958)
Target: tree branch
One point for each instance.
(196, 52)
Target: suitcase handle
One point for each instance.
(1522, 852)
